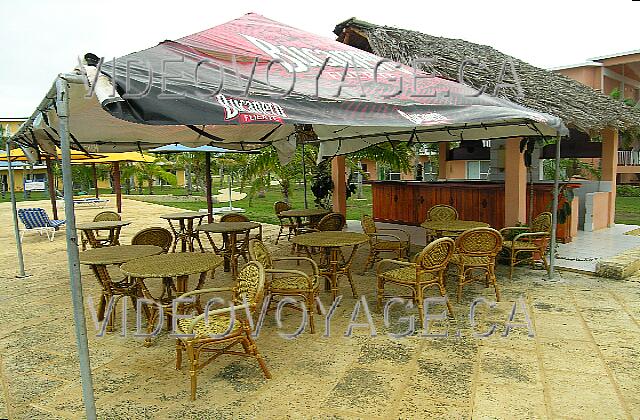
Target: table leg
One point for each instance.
(176, 236)
(183, 238)
(114, 240)
(233, 257)
(333, 271)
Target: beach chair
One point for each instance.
(36, 220)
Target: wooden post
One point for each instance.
(339, 185)
(115, 168)
(610, 168)
(52, 189)
(515, 184)
(95, 179)
(443, 150)
(207, 171)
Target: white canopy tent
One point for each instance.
(106, 121)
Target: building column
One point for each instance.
(609, 164)
(515, 184)
(443, 151)
(338, 176)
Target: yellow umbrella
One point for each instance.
(18, 155)
(114, 159)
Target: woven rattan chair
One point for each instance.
(382, 242)
(103, 216)
(533, 241)
(330, 222)
(287, 282)
(286, 223)
(216, 332)
(157, 236)
(242, 242)
(476, 251)
(428, 270)
(440, 213)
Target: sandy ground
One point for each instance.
(581, 362)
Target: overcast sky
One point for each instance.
(42, 38)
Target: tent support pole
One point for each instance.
(304, 177)
(95, 179)
(52, 189)
(14, 209)
(207, 171)
(554, 211)
(73, 256)
(115, 166)
(230, 186)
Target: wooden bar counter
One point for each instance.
(407, 202)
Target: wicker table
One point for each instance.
(450, 228)
(314, 215)
(185, 232)
(98, 259)
(230, 248)
(91, 229)
(167, 267)
(336, 266)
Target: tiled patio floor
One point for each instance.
(581, 363)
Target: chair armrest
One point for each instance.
(385, 235)
(404, 232)
(531, 235)
(200, 317)
(201, 291)
(506, 229)
(314, 265)
(388, 261)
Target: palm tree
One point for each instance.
(152, 171)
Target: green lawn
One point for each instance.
(628, 210)
(261, 209)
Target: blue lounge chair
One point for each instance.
(36, 220)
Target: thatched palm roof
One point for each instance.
(579, 106)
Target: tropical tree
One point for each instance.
(151, 171)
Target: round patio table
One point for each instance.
(231, 247)
(314, 215)
(336, 265)
(167, 267)
(91, 229)
(184, 232)
(450, 228)
(99, 258)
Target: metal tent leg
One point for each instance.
(73, 256)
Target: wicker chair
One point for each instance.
(103, 216)
(157, 236)
(285, 222)
(330, 222)
(381, 242)
(287, 282)
(476, 251)
(428, 270)
(242, 243)
(534, 241)
(215, 332)
(440, 213)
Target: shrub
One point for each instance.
(628, 191)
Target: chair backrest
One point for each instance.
(157, 236)
(249, 286)
(281, 206)
(107, 216)
(259, 252)
(332, 221)
(480, 242)
(368, 224)
(436, 255)
(442, 212)
(34, 218)
(542, 223)
(234, 217)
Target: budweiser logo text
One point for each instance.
(262, 111)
